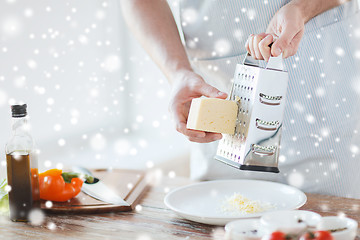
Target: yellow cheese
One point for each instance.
(212, 115)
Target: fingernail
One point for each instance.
(277, 51)
(221, 93)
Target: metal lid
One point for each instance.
(18, 111)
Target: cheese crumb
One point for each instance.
(237, 203)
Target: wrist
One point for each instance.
(303, 7)
(180, 73)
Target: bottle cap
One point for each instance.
(18, 111)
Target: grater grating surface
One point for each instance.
(260, 95)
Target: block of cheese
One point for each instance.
(212, 115)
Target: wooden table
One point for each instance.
(151, 220)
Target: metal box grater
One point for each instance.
(260, 95)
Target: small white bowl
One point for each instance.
(333, 222)
(293, 222)
(244, 229)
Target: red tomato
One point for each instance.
(276, 236)
(317, 235)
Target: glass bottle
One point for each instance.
(22, 169)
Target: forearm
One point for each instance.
(154, 26)
(312, 8)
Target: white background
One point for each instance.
(94, 97)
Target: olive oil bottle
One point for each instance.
(22, 169)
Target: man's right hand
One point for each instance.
(186, 86)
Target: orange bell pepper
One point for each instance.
(53, 187)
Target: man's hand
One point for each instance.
(186, 86)
(286, 28)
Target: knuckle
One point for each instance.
(250, 39)
(196, 84)
(178, 128)
(285, 42)
(262, 44)
(293, 52)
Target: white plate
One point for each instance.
(244, 229)
(289, 221)
(201, 202)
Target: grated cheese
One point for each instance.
(237, 203)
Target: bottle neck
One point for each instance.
(20, 126)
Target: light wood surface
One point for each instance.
(150, 221)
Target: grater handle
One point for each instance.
(275, 63)
(250, 61)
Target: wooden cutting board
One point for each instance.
(129, 184)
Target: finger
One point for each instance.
(264, 48)
(252, 52)
(256, 42)
(210, 137)
(210, 91)
(247, 45)
(284, 40)
(181, 128)
(180, 113)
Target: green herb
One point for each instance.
(4, 198)
(70, 175)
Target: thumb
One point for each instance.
(283, 41)
(210, 91)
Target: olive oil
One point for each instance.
(22, 172)
(19, 179)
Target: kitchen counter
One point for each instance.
(151, 220)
